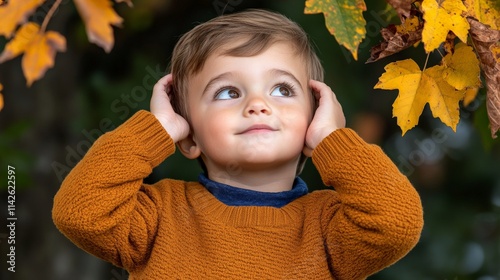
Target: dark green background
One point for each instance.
(45, 129)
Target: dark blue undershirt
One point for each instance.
(234, 196)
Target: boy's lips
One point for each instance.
(257, 128)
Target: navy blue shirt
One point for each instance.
(234, 196)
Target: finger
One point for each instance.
(164, 84)
(324, 93)
(321, 91)
(166, 79)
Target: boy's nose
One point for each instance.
(257, 106)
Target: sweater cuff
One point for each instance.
(153, 139)
(335, 146)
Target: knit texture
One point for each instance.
(178, 230)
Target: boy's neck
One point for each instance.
(268, 180)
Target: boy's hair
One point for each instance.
(257, 30)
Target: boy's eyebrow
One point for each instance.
(280, 72)
(215, 79)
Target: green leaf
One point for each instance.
(344, 20)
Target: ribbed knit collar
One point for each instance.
(233, 196)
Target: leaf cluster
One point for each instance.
(438, 24)
(39, 46)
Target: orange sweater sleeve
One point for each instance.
(103, 205)
(376, 217)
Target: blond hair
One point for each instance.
(257, 30)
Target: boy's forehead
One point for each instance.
(285, 52)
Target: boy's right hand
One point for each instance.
(176, 126)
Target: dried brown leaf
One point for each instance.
(486, 40)
(397, 38)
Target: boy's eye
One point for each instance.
(227, 94)
(282, 91)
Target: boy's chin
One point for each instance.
(263, 165)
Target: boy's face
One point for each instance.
(251, 112)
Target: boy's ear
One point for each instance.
(188, 147)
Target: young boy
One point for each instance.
(248, 101)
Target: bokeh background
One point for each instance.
(47, 128)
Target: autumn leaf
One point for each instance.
(470, 95)
(440, 18)
(443, 98)
(397, 38)
(485, 11)
(39, 50)
(409, 105)
(1, 97)
(39, 55)
(486, 41)
(98, 16)
(24, 36)
(461, 69)
(416, 89)
(344, 20)
(15, 12)
(402, 7)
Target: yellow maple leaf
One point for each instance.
(461, 69)
(98, 16)
(15, 12)
(417, 88)
(39, 55)
(1, 97)
(408, 106)
(24, 36)
(440, 18)
(444, 99)
(485, 11)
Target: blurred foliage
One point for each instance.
(89, 92)
(14, 156)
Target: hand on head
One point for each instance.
(327, 118)
(176, 126)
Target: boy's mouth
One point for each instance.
(257, 128)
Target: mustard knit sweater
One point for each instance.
(178, 230)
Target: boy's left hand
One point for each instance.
(328, 117)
